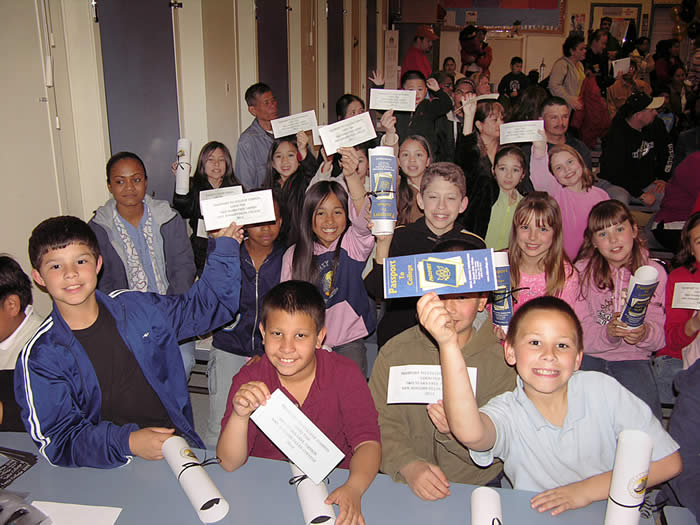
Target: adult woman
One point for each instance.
(567, 72)
(666, 57)
(642, 57)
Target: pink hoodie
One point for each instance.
(596, 309)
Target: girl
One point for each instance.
(538, 263)
(571, 186)
(491, 208)
(682, 325)
(481, 134)
(611, 253)
(289, 170)
(331, 254)
(214, 170)
(414, 157)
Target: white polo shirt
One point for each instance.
(538, 455)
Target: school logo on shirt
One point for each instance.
(327, 289)
(644, 148)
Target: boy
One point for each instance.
(329, 388)
(422, 120)
(557, 431)
(102, 379)
(442, 196)
(234, 345)
(515, 82)
(18, 322)
(418, 447)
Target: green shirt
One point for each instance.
(502, 211)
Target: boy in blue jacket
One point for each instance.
(102, 379)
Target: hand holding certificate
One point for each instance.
(223, 206)
(621, 66)
(523, 131)
(347, 133)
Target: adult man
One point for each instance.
(415, 59)
(597, 60)
(555, 113)
(254, 143)
(613, 43)
(637, 153)
(449, 127)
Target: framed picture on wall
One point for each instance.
(623, 17)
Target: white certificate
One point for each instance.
(291, 125)
(73, 514)
(621, 66)
(396, 99)
(487, 96)
(223, 206)
(686, 295)
(419, 384)
(523, 131)
(347, 133)
(297, 437)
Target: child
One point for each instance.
(570, 182)
(143, 241)
(331, 254)
(682, 325)
(513, 84)
(327, 387)
(422, 120)
(327, 170)
(233, 345)
(443, 197)
(491, 208)
(414, 157)
(289, 170)
(214, 170)
(18, 322)
(413, 451)
(611, 253)
(538, 264)
(102, 379)
(557, 431)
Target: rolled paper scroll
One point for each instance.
(486, 507)
(312, 498)
(184, 165)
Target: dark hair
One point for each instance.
(597, 271)
(516, 60)
(596, 36)
(685, 256)
(254, 91)
(304, 265)
(200, 174)
(515, 151)
(571, 43)
(551, 101)
(294, 297)
(545, 302)
(444, 62)
(606, 19)
(412, 74)
(527, 107)
(404, 202)
(441, 77)
(117, 157)
(57, 233)
(641, 40)
(13, 281)
(672, 71)
(290, 195)
(341, 107)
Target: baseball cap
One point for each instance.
(637, 102)
(426, 31)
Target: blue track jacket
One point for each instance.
(56, 386)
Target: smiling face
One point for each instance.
(508, 172)
(127, 183)
(215, 167)
(285, 161)
(330, 220)
(615, 242)
(417, 85)
(545, 352)
(290, 341)
(70, 276)
(413, 159)
(442, 202)
(534, 240)
(567, 170)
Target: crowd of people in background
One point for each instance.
(565, 207)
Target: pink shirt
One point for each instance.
(343, 324)
(575, 206)
(339, 403)
(537, 287)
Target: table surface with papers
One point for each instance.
(258, 493)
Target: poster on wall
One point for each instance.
(391, 59)
(578, 22)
